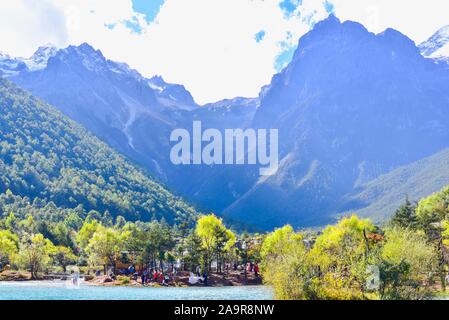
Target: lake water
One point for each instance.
(60, 290)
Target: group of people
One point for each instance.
(250, 267)
(202, 277)
(153, 276)
(253, 267)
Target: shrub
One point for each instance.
(123, 279)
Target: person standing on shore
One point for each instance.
(198, 271)
(256, 269)
(161, 278)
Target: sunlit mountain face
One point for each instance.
(351, 107)
(437, 46)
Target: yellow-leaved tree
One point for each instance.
(216, 239)
(284, 264)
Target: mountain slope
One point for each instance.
(378, 199)
(437, 46)
(350, 106)
(136, 115)
(172, 95)
(113, 101)
(45, 155)
(11, 66)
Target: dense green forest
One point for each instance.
(53, 162)
(379, 198)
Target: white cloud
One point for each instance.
(207, 45)
(210, 45)
(26, 24)
(416, 19)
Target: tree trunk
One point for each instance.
(441, 264)
(33, 273)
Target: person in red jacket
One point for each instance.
(256, 269)
(161, 278)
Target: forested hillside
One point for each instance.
(378, 199)
(46, 156)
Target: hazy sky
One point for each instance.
(216, 48)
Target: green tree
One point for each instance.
(105, 246)
(160, 239)
(11, 221)
(135, 243)
(35, 254)
(86, 233)
(73, 221)
(8, 245)
(342, 254)
(432, 210)
(191, 251)
(62, 235)
(279, 241)
(407, 260)
(28, 225)
(63, 257)
(170, 258)
(120, 222)
(405, 216)
(215, 238)
(284, 264)
(445, 232)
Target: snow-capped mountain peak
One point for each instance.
(83, 55)
(437, 46)
(40, 58)
(10, 66)
(86, 57)
(4, 55)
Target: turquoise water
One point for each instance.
(59, 290)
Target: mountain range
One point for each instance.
(361, 116)
(437, 46)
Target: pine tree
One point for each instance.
(405, 216)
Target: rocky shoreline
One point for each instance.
(180, 280)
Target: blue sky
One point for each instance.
(288, 46)
(289, 6)
(150, 8)
(259, 36)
